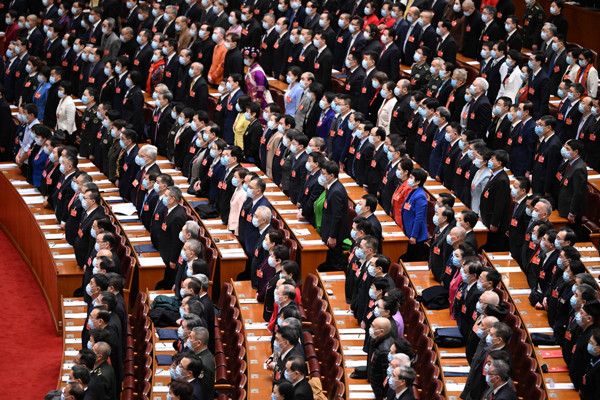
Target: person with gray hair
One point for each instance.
(198, 341)
(191, 230)
(110, 43)
(439, 144)
(254, 224)
(547, 35)
(479, 112)
(209, 309)
(146, 161)
(198, 88)
(401, 382)
(103, 371)
(497, 378)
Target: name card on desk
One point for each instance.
(16, 182)
(360, 388)
(500, 257)
(455, 387)
(520, 292)
(332, 278)
(301, 232)
(73, 341)
(259, 338)
(103, 182)
(130, 228)
(179, 178)
(139, 239)
(239, 252)
(590, 259)
(163, 162)
(271, 185)
(151, 261)
(343, 175)
(256, 325)
(33, 199)
(47, 227)
(95, 173)
(360, 395)
(76, 315)
(64, 257)
(435, 187)
(163, 347)
(25, 192)
(168, 171)
(295, 221)
(74, 328)
(411, 268)
(388, 223)
(282, 203)
(350, 184)
(393, 234)
(291, 211)
(219, 231)
(86, 165)
(8, 165)
(354, 352)
(108, 190)
(45, 217)
(358, 331)
(162, 372)
(55, 236)
(310, 242)
(508, 270)
(342, 312)
(541, 330)
(253, 169)
(74, 303)
(160, 389)
(248, 301)
(355, 363)
(212, 221)
(113, 198)
(71, 353)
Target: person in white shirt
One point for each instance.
(512, 81)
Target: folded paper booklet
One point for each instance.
(134, 227)
(301, 232)
(49, 226)
(24, 192)
(151, 261)
(124, 208)
(55, 236)
(361, 395)
(139, 239)
(33, 199)
(551, 353)
(356, 363)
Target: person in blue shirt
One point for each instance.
(294, 91)
(326, 116)
(38, 159)
(40, 96)
(414, 216)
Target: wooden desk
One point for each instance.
(22, 224)
(258, 340)
(73, 312)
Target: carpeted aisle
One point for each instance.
(30, 351)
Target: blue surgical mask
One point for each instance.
(489, 340)
(479, 307)
(480, 286)
(455, 261)
(591, 349)
(360, 254)
(479, 333)
(573, 300)
(539, 130)
(436, 220)
(449, 240)
(372, 294)
(271, 261)
(566, 276)
(579, 319)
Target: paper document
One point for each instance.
(151, 261)
(123, 208)
(55, 236)
(33, 199)
(301, 232)
(130, 228)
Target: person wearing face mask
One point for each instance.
(169, 244)
(127, 168)
(265, 272)
(257, 226)
(74, 208)
(51, 173)
(400, 383)
(380, 343)
(446, 47)
(149, 199)
(426, 131)
(37, 158)
(282, 49)
(229, 159)
(590, 386)
(532, 265)
(498, 132)
(163, 181)
(473, 28)
(65, 111)
(586, 318)
(487, 305)
(146, 161)
(539, 85)
(285, 346)
(547, 157)
(414, 220)
(110, 43)
(495, 201)
(533, 21)
(95, 76)
(570, 117)
(524, 140)
(492, 31)
(40, 94)
(94, 24)
(64, 191)
(587, 74)
(90, 212)
(571, 180)
(497, 379)
(519, 218)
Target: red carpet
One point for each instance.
(29, 348)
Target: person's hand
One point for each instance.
(45, 202)
(437, 178)
(117, 183)
(299, 215)
(571, 219)
(412, 240)
(2, 149)
(545, 303)
(363, 325)
(331, 242)
(172, 265)
(91, 157)
(197, 185)
(341, 167)
(493, 228)
(173, 288)
(63, 225)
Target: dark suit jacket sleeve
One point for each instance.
(501, 201)
(176, 225)
(579, 191)
(554, 160)
(336, 201)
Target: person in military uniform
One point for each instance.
(435, 81)
(90, 123)
(104, 371)
(419, 73)
(533, 20)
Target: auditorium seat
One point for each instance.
(292, 247)
(278, 97)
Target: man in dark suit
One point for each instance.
(513, 39)
(499, 130)
(491, 32)
(569, 113)
(495, 202)
(267, 42)
(280, 49)
(295, 368)
(446, 47)
(169, 244)
(149, 200)
(64, 191)
(523, 141)
(323, 62)
(572, 177)
(377, 356)
(172, 64)
(464, 307)
(94, 33)
(556, 65)
(163, 181)
(367, 91)
(409, 42)
(127, 166)
(52, 49)
(342, 41)
(429, 37)
(299, 171)
(473, 26)
(480, 111)
(95, 76)
(449, 160)
(334, 224)
(74, 208)
(251, 28)
(547, 157)
(197, 95)
(425, 132)
(389, 59)
(162, 121)
(363, 154)
(143, 55)
(146, 160)
(312, 189)
(440, 249)
(308, 51)
(404, 376)
(356, 74)
(256, 222)
(194, 11)
(519, 218)
(171, 14)
(91, 211)
(499, 375)
(286, 341)
(539, 85)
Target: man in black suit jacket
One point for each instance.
(480, 111)
(298, 173)
(473, 26)
(491, 32)
(569, 114)
(172, 64)
(234, 60)
(404, 376)
(429, 37)
(281, 48)
(296, 369)
(146, 160)
(367, 91)
(499, 131)
(267, 42)
(233, 155)
(519, 219)
(312, 189)
(377, 356)
(572, 177)
(91, 211)
(499, 389)
(547, 157)
(143, 55)
(197, 95)
(440, 250)
(64, 192)
(53, 48)
(334, 224)
(449, 161)
(556, 65)
(251, 29)
(539, 85)
(356, 74)
(464, 306)
(308, 51)
(323, 62)
(408, 42)
(149, 201)
(447, 47)
(169, 244)
(513, 39)
(389, 59)
(495, 202)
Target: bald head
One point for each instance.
(490, 298)
(488, 322)
(381, 325)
